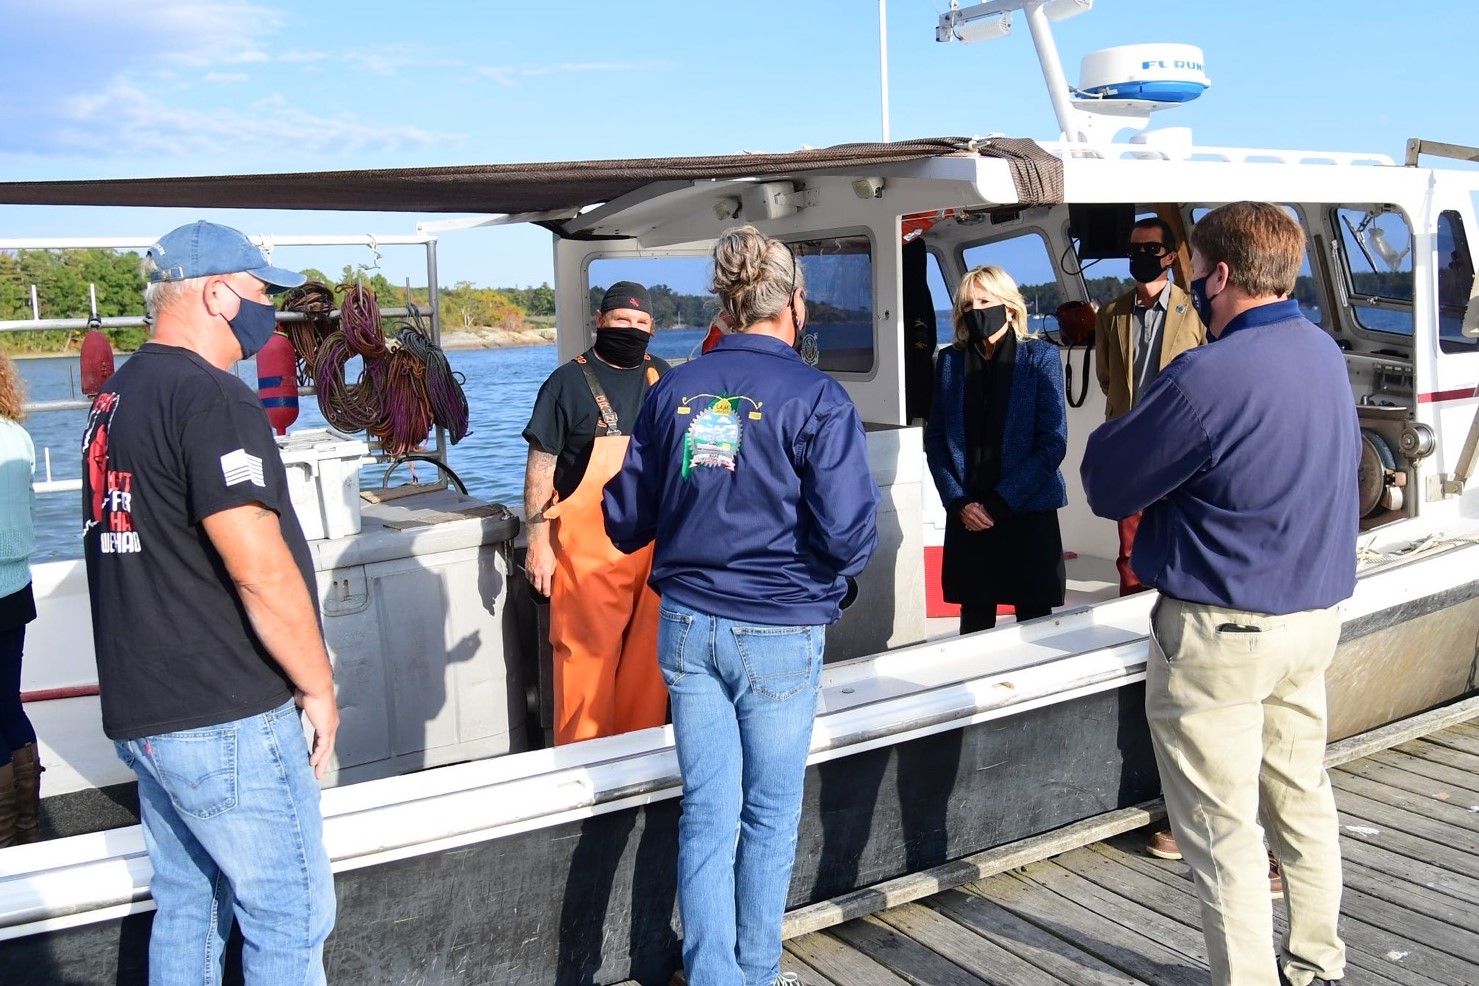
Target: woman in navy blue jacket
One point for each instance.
(749, 470)
(997, 433)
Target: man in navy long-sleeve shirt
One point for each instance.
(1243, 455)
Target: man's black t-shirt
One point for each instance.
(565, 414)
(170, 441)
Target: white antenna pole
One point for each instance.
(35, 306)
(1052, 70)
(883, 61)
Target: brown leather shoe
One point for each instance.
(1162, 845)
(1275, 878)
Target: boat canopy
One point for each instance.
(551, 190)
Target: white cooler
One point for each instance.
(323, 480)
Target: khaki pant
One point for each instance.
(1237, 719)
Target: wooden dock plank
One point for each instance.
(809, 976)
(839, 963)
(1455, 777)
(963, 947)
(1462, 736)
(1440, 810)
(906, 957)
(1042, 948)
(1144, 959)
(1176, 897)
(1463, 842)
(1131, 913)
(1419, 873)
(1427, 749)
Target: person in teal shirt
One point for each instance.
(20, 768)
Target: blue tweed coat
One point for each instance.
(1033, 443)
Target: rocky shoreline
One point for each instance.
(498, 338)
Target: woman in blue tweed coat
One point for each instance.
(997, 433)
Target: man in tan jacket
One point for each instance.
(1137, 336)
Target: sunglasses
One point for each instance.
(1150, 249)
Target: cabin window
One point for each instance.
(1377, 243)
(682, 305)
(942, 295)
(1028, 260)
(1455, 283)
(1306, 290)
(839, 300)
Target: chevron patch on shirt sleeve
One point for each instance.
(242, 467)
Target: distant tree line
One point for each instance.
(61, 278)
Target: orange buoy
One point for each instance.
(97, 362)
(277, 381)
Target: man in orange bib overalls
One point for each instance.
(603, 615)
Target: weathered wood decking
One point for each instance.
(1109, 914)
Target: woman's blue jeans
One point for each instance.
(231, 819)
(744, 697)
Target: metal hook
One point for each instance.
(375, 255)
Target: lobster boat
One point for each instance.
(467, 849)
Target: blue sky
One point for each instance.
(104, 88)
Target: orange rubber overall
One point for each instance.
(603, 616)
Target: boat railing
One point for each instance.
(1169, 149)
(437, 445)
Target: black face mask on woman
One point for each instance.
(984, 323)
(622, 346)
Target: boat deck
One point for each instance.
(1109, 914)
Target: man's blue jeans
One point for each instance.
(744, 697)
(231, 819)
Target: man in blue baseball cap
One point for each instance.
(205, 624)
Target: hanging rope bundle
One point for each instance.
(443, 386)
(359, 317)
(348, 407)
(316, 300)
(406, 385)
(405, 417)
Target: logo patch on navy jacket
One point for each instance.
(713, 438)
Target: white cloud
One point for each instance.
(132, 85)
(501, 74)
(509, 75)
(392, 60)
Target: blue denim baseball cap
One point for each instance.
(204, 249)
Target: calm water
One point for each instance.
(500, 386)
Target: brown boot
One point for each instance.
(1275, 878)
(28, 770)
(7, 806)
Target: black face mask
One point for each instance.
(1145, 268)
(985, 322)
(622, 346)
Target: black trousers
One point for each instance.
(983, 617)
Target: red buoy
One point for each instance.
(97, 362)
(277, 382)
(718, 329)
